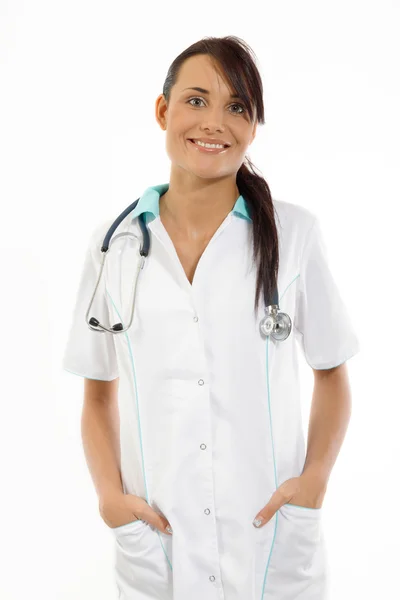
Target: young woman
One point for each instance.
(192, 417)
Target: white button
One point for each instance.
(201, 382)
(207, 511)
(195, 319)
(212, 578)
(203, 446)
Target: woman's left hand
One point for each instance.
(306, 491)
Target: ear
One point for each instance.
(253, 134)
(160, 111)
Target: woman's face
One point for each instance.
(193, 114)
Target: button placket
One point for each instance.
(203, 447)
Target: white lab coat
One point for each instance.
(210, 414)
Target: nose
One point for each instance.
(213, 120)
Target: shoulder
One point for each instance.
(100, 230)
(294, 225)
(97, 235)
(294, 216)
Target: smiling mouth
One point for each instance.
(209, 150)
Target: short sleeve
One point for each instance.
(89, 353)
(327, 336)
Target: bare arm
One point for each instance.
(100, 436)
(329, 419)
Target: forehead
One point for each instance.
(202, 71)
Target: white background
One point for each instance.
(79, 142)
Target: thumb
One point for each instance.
(142, 510)
(276, 501)
(158, 521)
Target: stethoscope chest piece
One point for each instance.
(276, 324)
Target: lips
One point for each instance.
(215, 142)
(211, 151)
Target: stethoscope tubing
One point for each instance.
(276, 323)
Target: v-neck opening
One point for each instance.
(171, 244)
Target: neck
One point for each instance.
(195, 212)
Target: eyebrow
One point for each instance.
(203, 91)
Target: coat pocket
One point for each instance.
(141, 568)
(128, 526)
(297, 566)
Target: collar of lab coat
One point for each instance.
(150, 199)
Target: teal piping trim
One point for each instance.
(305, 507)
(270, 420)
(276, 481)
(273, 448)
(294, 279)
(140, 431)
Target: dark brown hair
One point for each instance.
(237, 61)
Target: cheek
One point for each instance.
(176, 147)
(177, 131)
(174, 141)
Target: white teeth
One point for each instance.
(208, 145)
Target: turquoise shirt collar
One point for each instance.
(149, 204)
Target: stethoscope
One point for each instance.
(276, 324)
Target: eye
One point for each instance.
(234, 104)
(241, 106)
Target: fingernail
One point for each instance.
(168, 528)
(257, 522)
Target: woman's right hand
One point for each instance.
(118, 509)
